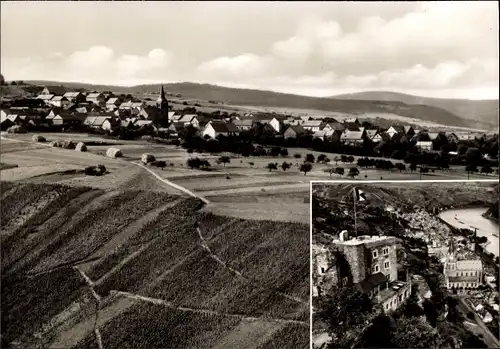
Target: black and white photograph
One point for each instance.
(405, 265)
(156, 160)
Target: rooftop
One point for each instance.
(394, 288)
(365, 239)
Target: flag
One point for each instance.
(359, 195)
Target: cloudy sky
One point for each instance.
(440, 49)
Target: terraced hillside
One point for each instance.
(85, 268)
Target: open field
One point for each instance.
(155, 264)
(244, 188)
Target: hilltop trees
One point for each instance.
(285, 166)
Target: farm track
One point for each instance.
(205, 311)
(176, 186)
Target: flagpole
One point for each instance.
(355, 225)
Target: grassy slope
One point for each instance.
(273, 99)
(172, 266)
(484, 111)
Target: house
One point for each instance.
(276, 124)
(96, 98)
(45, 98)
(149, 113)
(53, 90)
(243, 125)
(323, 134)
(65, 118)
(352, 137)
(174, 117)
(373, 135)
(312, 125)
(59, 101)
(5, 122)
(433, 135)
(294, 131)
(113, 103)
(126, 105)
(215, 129)
(465, 137)
(98, 121)
(335, 126)
(424, 145)
(352, 120)
(75, 97)
(452, 137)
(395, 130)
(144, 123)
(176, 127)
(190, 119)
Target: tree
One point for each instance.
(336, 159)
(339, 171)
(285, 165)
(400, 166)
(413, 333)
(297, 155)
(161, 164)
(350, 159)
(486, 169)
(353, 172)
(321, 158)
(413, 166)
(470, 169)
(224, 160)
(275, 151)
(473, 156)
(309, 158)
(204, 164)
(193, 163)
(326, 160)
(271, 166)
(284, 152)
(331, 171)
(306, 167)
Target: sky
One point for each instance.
(435, 49)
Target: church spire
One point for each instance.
(162, 95)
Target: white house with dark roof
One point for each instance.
(312, 125)
(59, 101)
(352, 137)
(190, 119)
(96, 98)
(217, 128)
(113, 103)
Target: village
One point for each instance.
(390, 270)
(56, 109)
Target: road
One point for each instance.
(488, 337)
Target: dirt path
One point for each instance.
(205, 311)
(166, 181)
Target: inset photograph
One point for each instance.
(405, 264)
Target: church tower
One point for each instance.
(162, 104)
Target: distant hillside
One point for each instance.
(247, 97)
(484, 111)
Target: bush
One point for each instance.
(16, 129)
(102, 168)
(161, 164)
(297, 155)
(38, 138)
(147, 158)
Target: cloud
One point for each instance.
(436, 46)
(97, 64)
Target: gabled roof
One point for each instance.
(141, 123)
(188, 118)
(94, 95)
(312, 123)
(323, 133)
(96, 120)
(66, 115)
(222, 127)
(58, 99)
(408, 128)
(399, 129)
(298, 129)
(72, 94)
(45, 97)
(433, 135)
(113, 100)
(371, 133)
(246, 122)
(352, 135)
